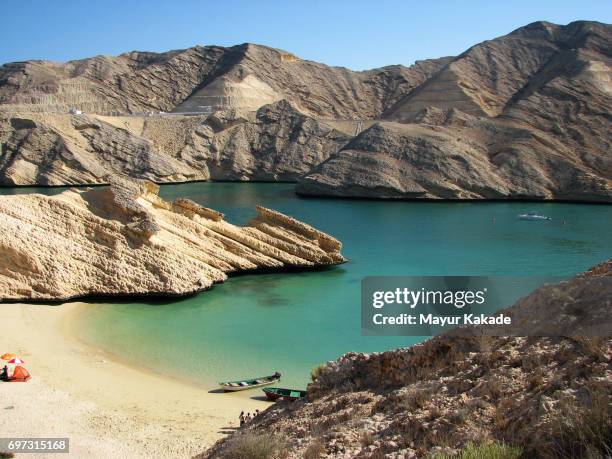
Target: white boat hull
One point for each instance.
(238, 387)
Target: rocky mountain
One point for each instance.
(482, 396)
(126, 240)
(522, 116)
(245, 76)
(276, 143)
(525, 115)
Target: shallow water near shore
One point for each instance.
(291, 322)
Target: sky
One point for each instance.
(358, 34)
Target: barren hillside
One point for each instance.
(522, 116)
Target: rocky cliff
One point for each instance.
(275, 143)
(522, 116)
(458, 156)
(126, 240)
(528, 396)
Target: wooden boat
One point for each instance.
(233, 386)
(275, 393)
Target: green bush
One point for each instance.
(493, 450)
(255, 446)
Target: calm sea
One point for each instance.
(255, 324)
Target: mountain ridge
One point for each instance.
(528, 114)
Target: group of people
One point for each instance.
(246, 418)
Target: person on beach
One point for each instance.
(241, 417)
(256, 413)
(248, 418)
(4, 374)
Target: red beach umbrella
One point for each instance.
(16, 360)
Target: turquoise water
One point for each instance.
(255, 324)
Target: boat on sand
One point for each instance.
(245, 384)
(276, 393)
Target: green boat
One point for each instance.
(233, 386)
(276, 393)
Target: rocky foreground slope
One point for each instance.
(539, 396)
(523, 116)
(126, 240)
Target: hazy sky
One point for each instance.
(354, 33)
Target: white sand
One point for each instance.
(106, 408)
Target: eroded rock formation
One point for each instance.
(246, 76)
(457, 156)
(126, 240)
(525, 115)
(276, 143)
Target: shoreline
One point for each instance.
(322, 196)
(114, 408)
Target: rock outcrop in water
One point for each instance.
(545, 397)
(522, 116)
(126, 240)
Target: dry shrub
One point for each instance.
(415, 398)
(486, 343)
(255, 446)
(491, 389)
(477, 403)
(535, 379)
(582, 431)
(593, 346)
(366, 438)
(459, 416)
(315, 450)
(362, 399)
(437, 438)
(333, 406)
(339, 418)
(316, 372)
(458, 386)
(434, 413)
(501, 419)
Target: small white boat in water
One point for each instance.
(533, 216)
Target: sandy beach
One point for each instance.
(105, 407)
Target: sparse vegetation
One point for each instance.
(415, 399)
(4, 455)
(494, 450)
(366, 438)
(315, 450)
(255, 446)
(316, 371)
(584, 431)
